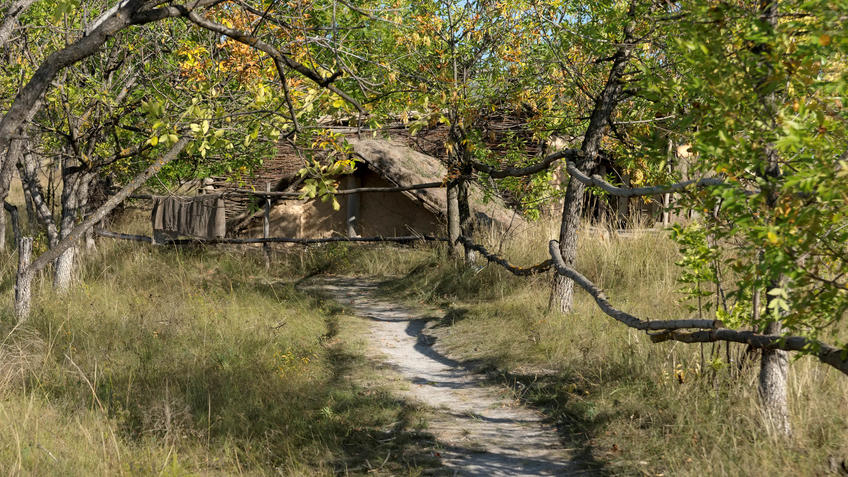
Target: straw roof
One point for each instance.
(404, 166)
(400, 158)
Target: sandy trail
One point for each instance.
(482, 433)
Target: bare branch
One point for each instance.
(528, 170)
(830, 355)
(594, 180)
(827, 354)
(599, 182)
(515, 270)
(301, 241)
(77, 232)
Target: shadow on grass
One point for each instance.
(226, 402)
(257, 399)
(556, 396)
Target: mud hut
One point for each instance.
(381, 163)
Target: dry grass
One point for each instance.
(184, 361)
(178, 362)
(630, 406)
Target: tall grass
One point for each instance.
(630, 406)
(198, 361)
(176, 362)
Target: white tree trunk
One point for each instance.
(3, 231)
(774, 367)
(23, 282)
(64, 270)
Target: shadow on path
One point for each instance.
(480, 427)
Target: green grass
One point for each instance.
(178, 362)
(629, 406)
(199, 362)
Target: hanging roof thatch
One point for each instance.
(404, 166)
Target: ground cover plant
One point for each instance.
(186, 362)
(629, 406)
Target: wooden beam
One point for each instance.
(352, 182)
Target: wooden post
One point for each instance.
(666, 199)
(352, 218)
(23, 281)
(454, 248)
(624, 205)
(266, 228)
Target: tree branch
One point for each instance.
(241, 241)
(527, 170)
(515, 270)
(274, 53)
(838, 358)
(77, 232)
(599, 182)
(593, 181)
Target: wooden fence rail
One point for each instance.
(269, 240)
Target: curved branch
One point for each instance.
(827, 354)
(528, 170)
(594, 180)
(830, 355)
(606, 307)
(515, 270)
(597, 181)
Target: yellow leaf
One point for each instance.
(772, 237)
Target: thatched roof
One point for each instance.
(404, 166)
(401, 159)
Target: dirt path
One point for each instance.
(482, 432)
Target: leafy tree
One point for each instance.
(765, 83)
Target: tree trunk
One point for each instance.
(774, 366)
(64, 266)
(16, 222)
(3, 232)
(623, 208)
(454, 231)
(90, 243)
(772, 385)
(64, 270)
(266, 228)
(23, 281)
(28, 172)
(562, 294)
(10, 21)
(6, 174)
(75, 186)
(466, 224)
